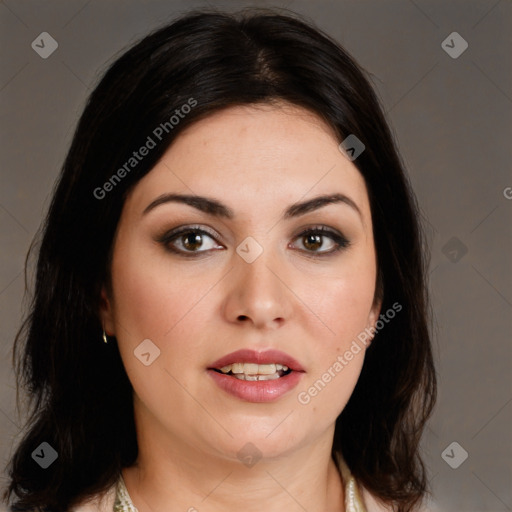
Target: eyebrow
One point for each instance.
(217, 209)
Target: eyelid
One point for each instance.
(168, 235)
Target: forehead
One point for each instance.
(255, 156)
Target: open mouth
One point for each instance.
(254, 372)
(268, 376)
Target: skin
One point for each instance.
(257, 160)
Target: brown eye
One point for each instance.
(188, 241)
(313, 240)
(191, 241)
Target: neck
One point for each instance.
(189, 480)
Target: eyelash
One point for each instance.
(168, 237)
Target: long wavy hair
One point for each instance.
(81, 400)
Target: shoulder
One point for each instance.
(357, 497)
(372, 504)
(99, 503)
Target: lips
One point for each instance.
(252, 356)
(256, 389)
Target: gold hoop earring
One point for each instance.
(105, 337)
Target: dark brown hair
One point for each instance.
(81, 396)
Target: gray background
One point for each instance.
(452, 119)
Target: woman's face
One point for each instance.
(246, 277)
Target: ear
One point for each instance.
(373, 317)
(106, 314)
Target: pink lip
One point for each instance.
(262, 390)
(256, 390)
(252, 356)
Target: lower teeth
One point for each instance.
(243, 376)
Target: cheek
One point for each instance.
(345, 301)
(152, 302)
(344, 305)
(155, 301)
(150, 298)
(142, 306)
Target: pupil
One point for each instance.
(316, 242)
(196, 239)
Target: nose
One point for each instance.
(257, 293)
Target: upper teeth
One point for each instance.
(253, 369)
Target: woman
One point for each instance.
(230, 308)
